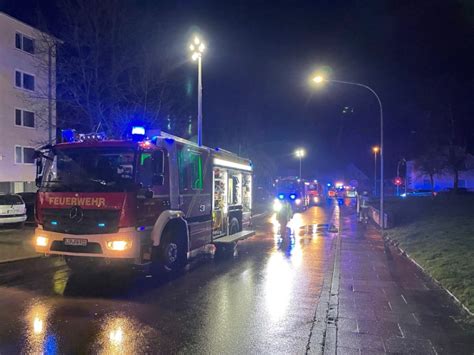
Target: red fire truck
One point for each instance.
(315, 193)
(145, 201)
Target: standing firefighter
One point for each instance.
(284, 213)
(363, 207)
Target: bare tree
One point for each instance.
(108, 71)
(431, 163)
(456, 157)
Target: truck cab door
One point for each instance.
(153, 193)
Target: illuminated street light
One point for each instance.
(318, 79)
(375, 150)
(300, 153)
(197, 48)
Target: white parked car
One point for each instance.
(12, 210)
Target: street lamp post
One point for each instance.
(300, 153)
(319, 79)
(398, 175)
(197, 48)
(375, 149)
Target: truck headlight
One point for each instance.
(41, 241)
(298, 201)
(316, 199)
(277, 205)
(119, 245)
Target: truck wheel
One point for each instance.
(234, 226)
(172, 252)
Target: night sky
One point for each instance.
(417, 55)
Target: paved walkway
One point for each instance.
(16, 243)
(387, 305)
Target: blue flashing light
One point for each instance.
(281, 196)
(292, 196)
(217, 149)
(101, 225)
(329, 184)
(140, 229)
(54, 223)
(403, 195)
(169, 140)
(138, 130)
(68, 135)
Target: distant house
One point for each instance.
(418, 181)
(354, 176)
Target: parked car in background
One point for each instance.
(12, 210)
(418, 193)
(29, 198)
(351, 192)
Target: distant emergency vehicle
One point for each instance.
(292, 189)
(314, 192)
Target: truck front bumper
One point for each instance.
(125, 244)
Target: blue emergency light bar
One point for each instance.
(138, 130)
(68, 135)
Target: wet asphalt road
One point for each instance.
(261, 301)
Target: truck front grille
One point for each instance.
(88, 222)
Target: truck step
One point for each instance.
(235, 237)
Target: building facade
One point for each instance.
(27, 100)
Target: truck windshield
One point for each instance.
(288, 185)
(90, 169)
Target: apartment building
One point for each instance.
(27, 100)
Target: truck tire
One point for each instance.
(234, 226)
(172, 252)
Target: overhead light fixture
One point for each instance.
(231, 164)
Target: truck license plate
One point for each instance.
(75, 242)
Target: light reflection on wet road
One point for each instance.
(262, 301)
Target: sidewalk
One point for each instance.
(16, 244)
(387, 305)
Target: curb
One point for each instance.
(395, 244)
(12, 260)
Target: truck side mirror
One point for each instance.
(39, 171)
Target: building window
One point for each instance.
(24, 80)
(462, 183)
(24, 155)
(24, 43)
(24, 118)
